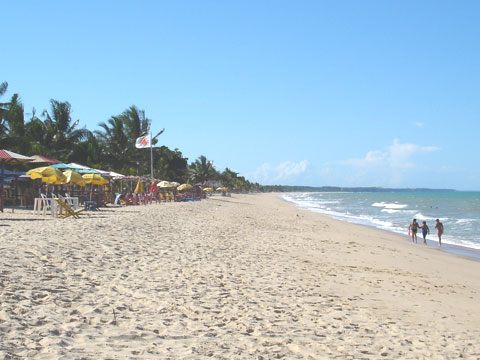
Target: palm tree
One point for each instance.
(117, 147)
(136, 123)
(229, 178)
(3, 110)
(14, 125)
(36, 133)
(202, 170)
(61, 133)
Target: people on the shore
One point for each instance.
(425, 231)
(439, 227)
(412, 230)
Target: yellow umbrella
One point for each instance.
(208, 190)
(94, 179)
(48, 175)
(139, 187)
(224, 189)
(74, 178)
(184, 187)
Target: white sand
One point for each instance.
(247, 277)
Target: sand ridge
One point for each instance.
(228, 278)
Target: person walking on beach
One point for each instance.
(425, 231)
(412, 230)
(439, 227)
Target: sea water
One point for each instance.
(394, 211)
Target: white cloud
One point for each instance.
(287, 170)
(372, 158)
(399, 154)
(418, 124)
(391, 163)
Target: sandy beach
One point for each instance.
(246, 277)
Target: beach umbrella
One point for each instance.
(223, 189)
(47, 174)
(165, 184)
(94, 179)
(74, 178)
(208, 189)
(139, 187)
(184, 187)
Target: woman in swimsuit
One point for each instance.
(412, 230)
(425, 231)
(439, 227)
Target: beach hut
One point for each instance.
(9, 157)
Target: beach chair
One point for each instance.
(67, 209)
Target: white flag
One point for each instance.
(143, 141)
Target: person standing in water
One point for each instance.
(412, 230)
(439, 227)
(425, 231)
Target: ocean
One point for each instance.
(394, 211)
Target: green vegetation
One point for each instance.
(55, 134)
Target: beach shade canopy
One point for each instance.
(48, 175)
(94, 179)
(208, 189)
(223, 189)
(61, 166)
(9, 157)
(74, 178)
(185, 187)
(82, 169)
(12, 175)
(116, 176)
(139, 187)
(165, 184)
(44, 160)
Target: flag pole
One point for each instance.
(151, 156)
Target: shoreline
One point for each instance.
(453, 249)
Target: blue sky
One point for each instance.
(350, 93)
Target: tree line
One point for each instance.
(53, 133)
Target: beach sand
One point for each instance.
(246, 277)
